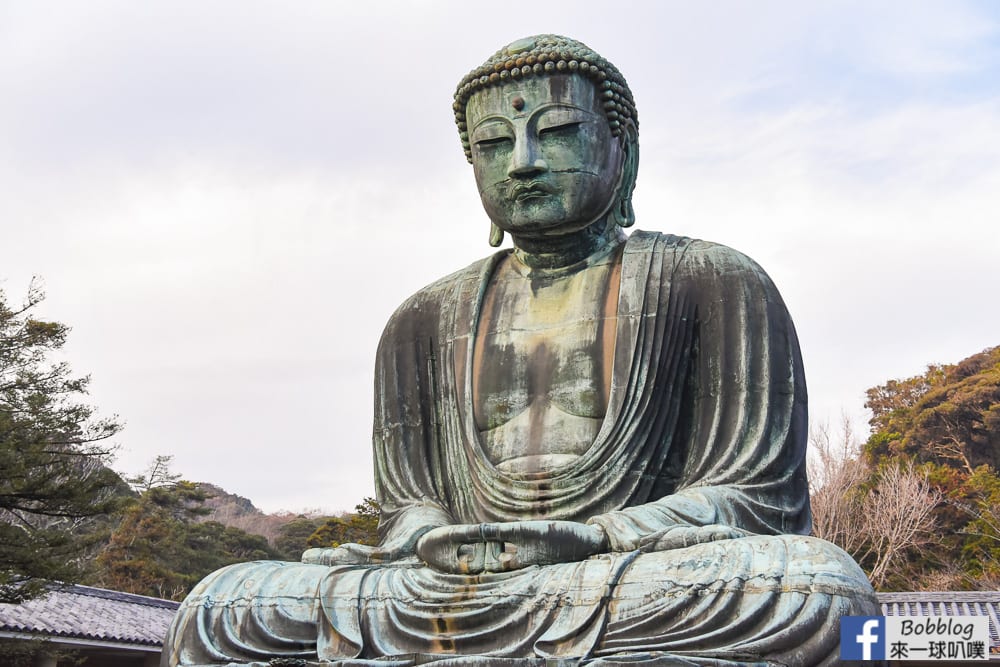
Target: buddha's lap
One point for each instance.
(752, 570)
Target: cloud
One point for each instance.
(227, 204)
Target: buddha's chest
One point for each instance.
(542, 361)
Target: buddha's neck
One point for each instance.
(564, 251)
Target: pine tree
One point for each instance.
(159, 549)
(53, 477)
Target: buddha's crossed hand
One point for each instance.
(349, 554)
(501, 547)
(679, 537)
(362, 554)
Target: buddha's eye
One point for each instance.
(561, 130)
(491, 136)
(493, 143)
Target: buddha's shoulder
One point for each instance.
(691, 255)
(422, 310)
(446, 287)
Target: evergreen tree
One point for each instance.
(949, 416)
(53, 477)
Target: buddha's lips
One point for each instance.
(523, 191)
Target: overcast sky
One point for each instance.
(227, 200)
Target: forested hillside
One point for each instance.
(173, 532)
(918, 503)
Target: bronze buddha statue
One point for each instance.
(588, 449)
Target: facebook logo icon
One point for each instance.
(862, 638)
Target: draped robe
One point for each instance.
(705, 425)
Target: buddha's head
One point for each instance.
(551, 130)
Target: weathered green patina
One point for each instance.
(589, 449)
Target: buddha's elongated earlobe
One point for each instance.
(624, 215)
(622, 212)
(496, 236)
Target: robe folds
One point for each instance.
(705, 425)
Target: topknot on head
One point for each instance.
(544, 55)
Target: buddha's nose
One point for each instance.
(525, 160)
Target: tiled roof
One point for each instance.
(980, 603)
(91, 613)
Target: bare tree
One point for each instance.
(836, 477)
(878, 516)
(899, 517)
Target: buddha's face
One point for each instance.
(544, 157)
